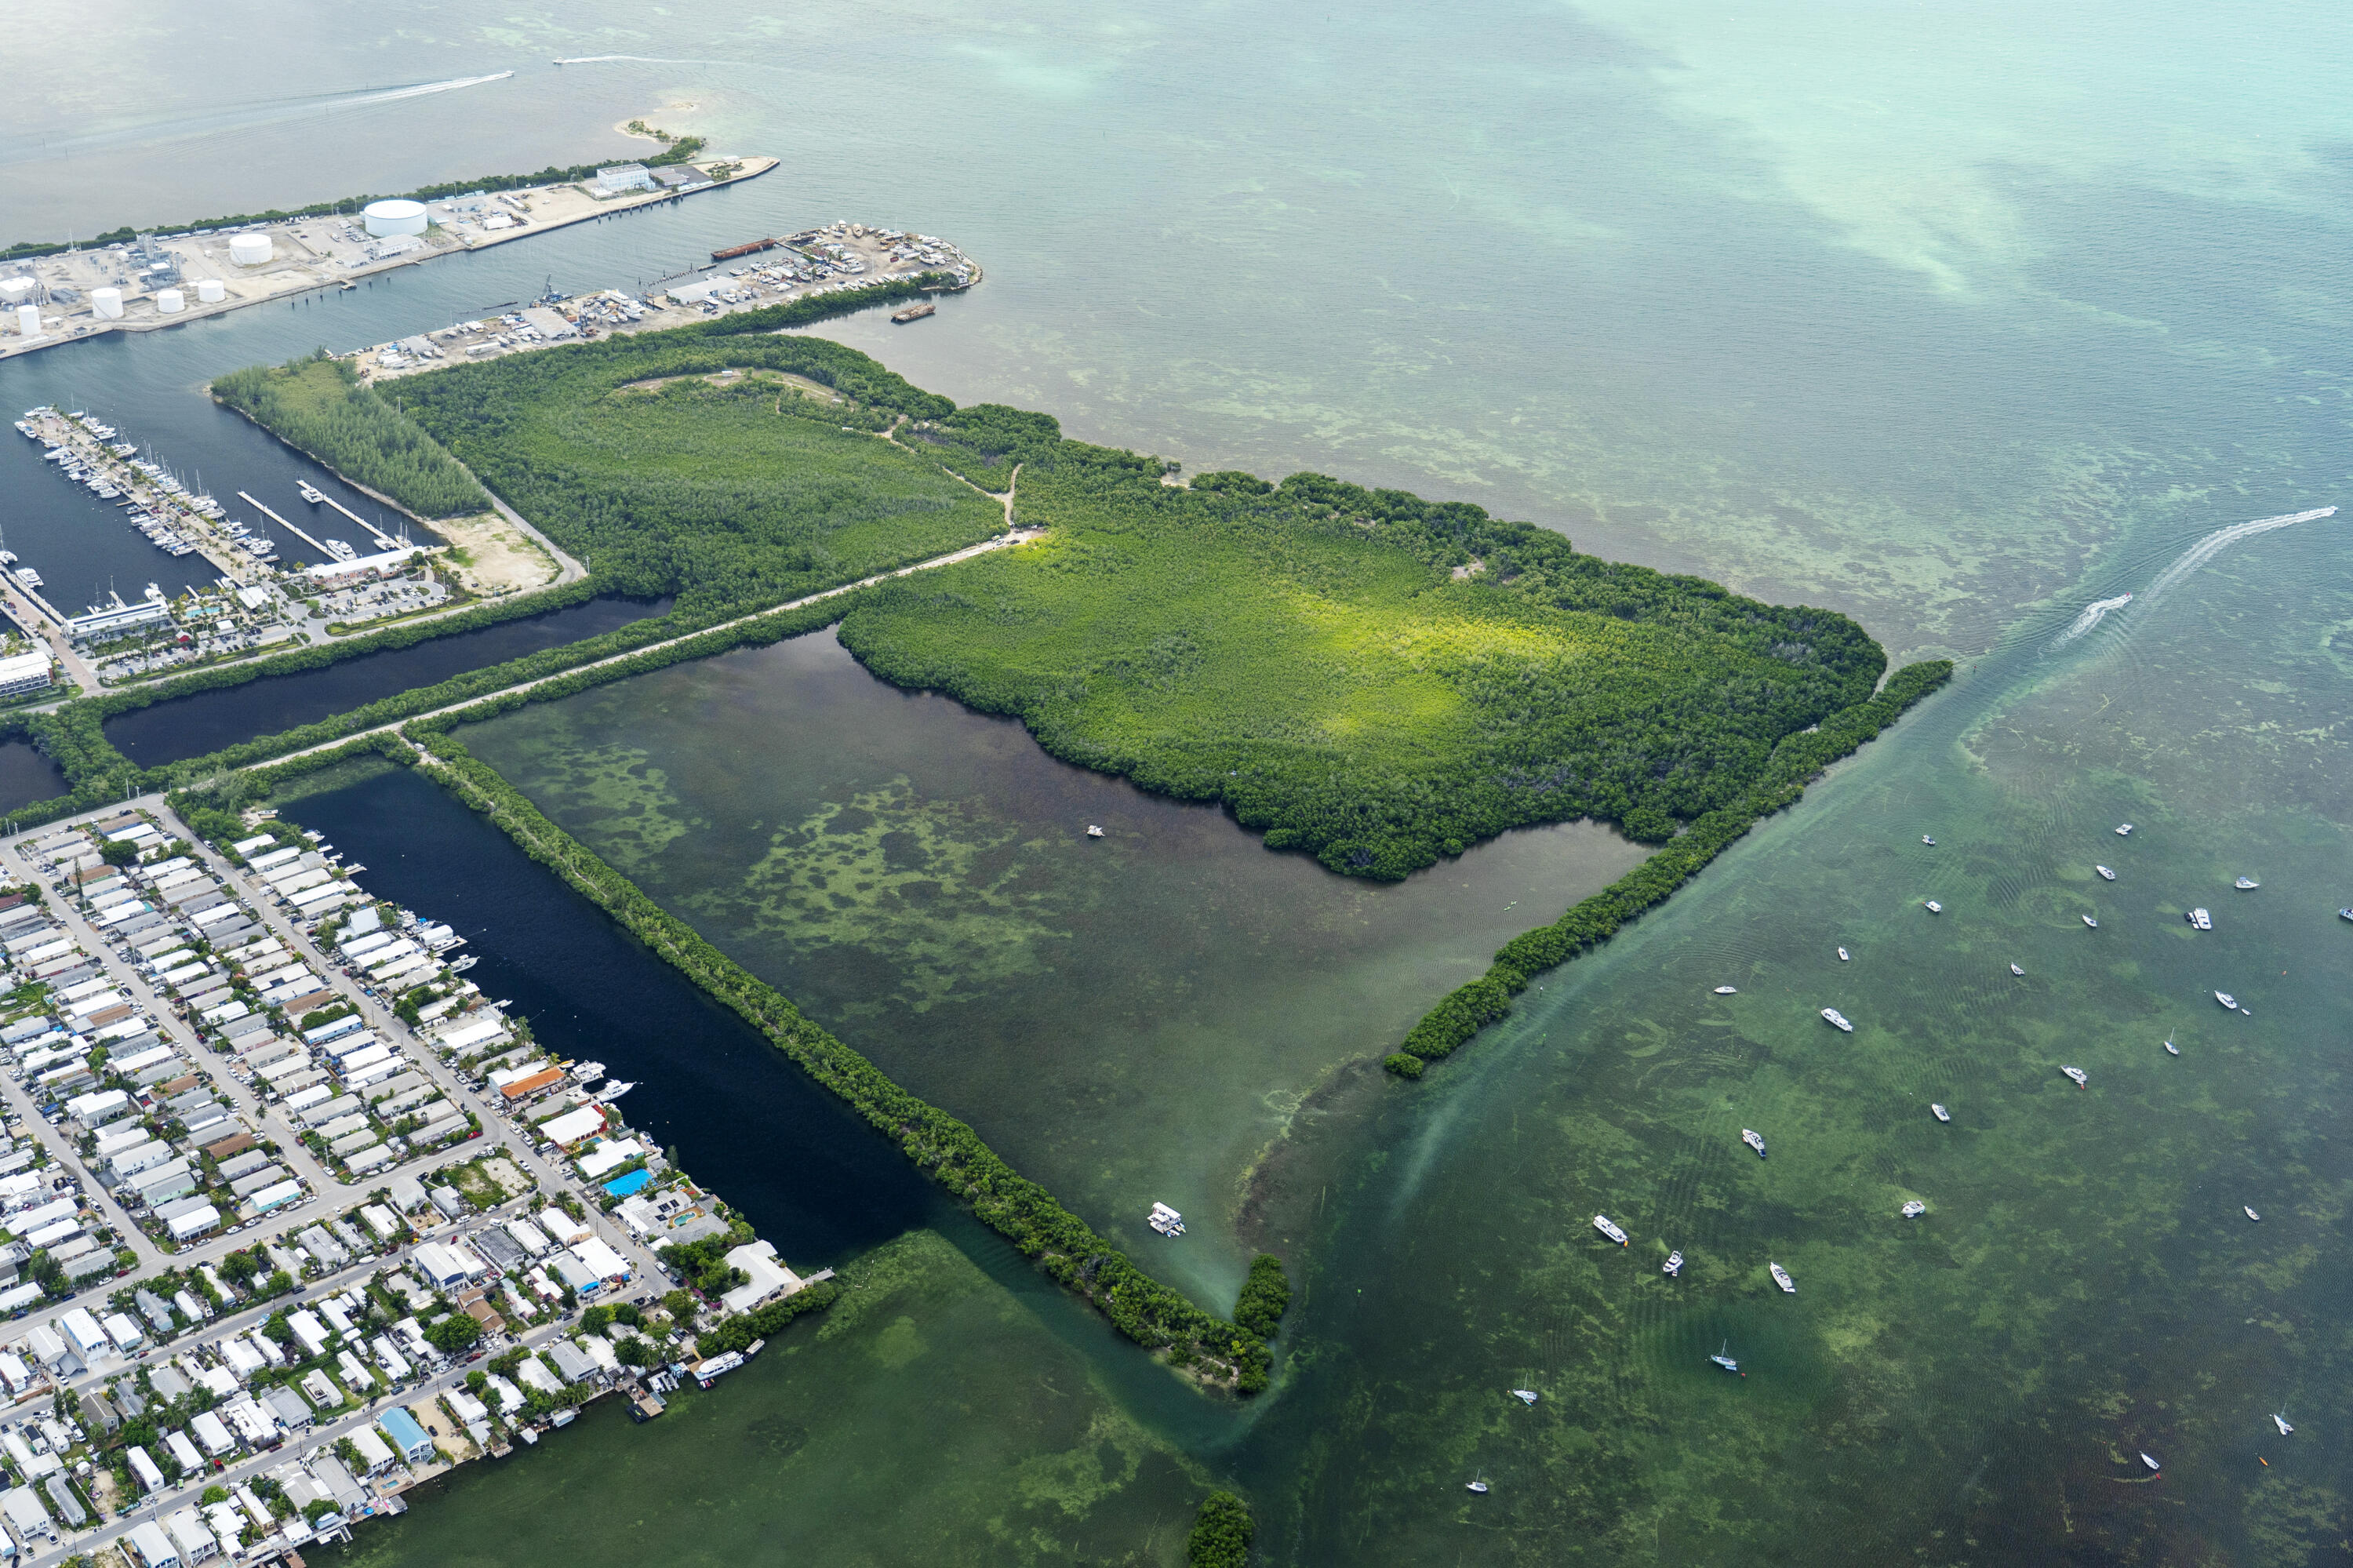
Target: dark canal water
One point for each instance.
(191, 726)
(26, 776)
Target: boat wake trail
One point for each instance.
(2090, 617)
(2221, 539)
(239, 117)
(641, 60)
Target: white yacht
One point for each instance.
(1940, 1112)
(2081, 1079)
(1930, 842)
(1845, 956)
(612, 1092)
(1723, 1359)
(1479, 1486)
(2227, 999)
(1935, 907)
(2281, 1421)
(1838, 1019)
(2246, 884)
(2124, 830)
(1525, 1396)
(1781, 1277)
(2095, 925)
(1727, 990)
(587, 1072)
(1602, 1222)
(1754, 1140)
(2251, 1214)
(1167, 1221)
(2200, 920)
(1674, 1265)
(1914, 1209)
(2105, 875)
(2016, 970)
(2171, 1049)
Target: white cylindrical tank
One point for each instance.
(171, 301)
(28, 321)
(211, 290)
(107, 303)
(250, 250)
(387, 219)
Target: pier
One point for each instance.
(324, 553)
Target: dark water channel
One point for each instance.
(191, 726)
(807, 1172)
(27, 776)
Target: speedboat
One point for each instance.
(1930, 842)
(1525, 1396)
(1845, 956)
(2251, 1214)
(2124, 830)
(1727, 990)
(2246, 884)
(2345, 913)
(1479, 1487)
(1914, 1210)
(2082, 1078)
(1940, 1113)
(2171, 1049)
(1674, 1265)
(2106, 873)
(1935, 907)
(2145, 1459)
(1754, 1140)
(1722, 1359)
(1838, 1019)
(2227, 999)
(1781, 1277)
(1093, 832)
(612, 1092)
(2095, 925)
(1602, 1222)
(2016, 970)
(2281, 1421)
(2200, 920)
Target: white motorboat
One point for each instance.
(587, 1072)
(1479, 1486)
(2081, 1079)
(1167, 1221)
(2227, 999)
(2105, 875)
(1674, 1265)
(2124, 830)
(2246, 884)
(2016, 970)
(1940, 1113)
(2345, 913)
(2171, 1049)
(1934, 908)
(1838, 1020)
(1930, 842)
(1602, 1222)
(2200, 920)
(1525, 1396)
(1781, 1277)
(1723, 1358)
(612, 1092)
(2145, 1459)
(1093, 832)
(1914, 1209)
(2251, 1214)
(1727, 990)
(1754, 1140)
(1845, 956)
(2095, 925)
(2281, 1421)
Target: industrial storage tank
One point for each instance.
(398, 216)
(250, 250)
(211, 290)
(107, 303)
(28, 321)
(171, 301)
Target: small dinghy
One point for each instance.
(2281, 1421)
(2171, 1049)
(1727, 990)
(2246, 884)
(1525, 1396)
(2016, 970)
(1781, 1277)
(1934, 907)
(1674, 1265)
(2095, 925)
(2145, 1459)
(1914, 1210)
(1723, 1359)
(1838, 1020)
(1754, 1140)
(2251, 1214)
(1939, 1112)
(2080, 1078)
(1601, 1223)
(1845, 956)
(2105, 875)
